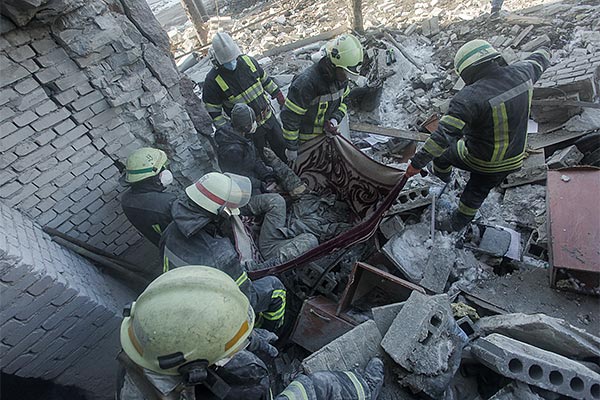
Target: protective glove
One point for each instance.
(260, 342)
(331, 126)
(280, 99)
(411, 171)
(291, 155)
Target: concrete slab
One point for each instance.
(439, 264)
(541, 368)
(548, 333)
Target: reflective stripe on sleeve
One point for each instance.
(360, 391)
(453, 122)
(293, 107)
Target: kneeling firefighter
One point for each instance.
(200, 235)
(190, 335)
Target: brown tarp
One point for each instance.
(368, 187)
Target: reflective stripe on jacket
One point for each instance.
(246, 84)
(489, 118)
(312, 99)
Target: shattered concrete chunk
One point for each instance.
(515, 391)
(548, 333)
(537, 367)
(438, 267)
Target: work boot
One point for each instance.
(444, 177)
(373, 375)
(287, 178)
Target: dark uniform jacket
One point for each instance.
(246, 84)
(148, 208)
(489, 118)
(237, 154)
(313, 98)
(195, 238)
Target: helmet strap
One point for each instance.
(198, 373)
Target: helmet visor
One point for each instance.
(239, 192)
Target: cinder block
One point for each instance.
(536, 367)
(414, 340)
(411, 199)
(551, 334)
(566, 157)
(384, 316)
(439, 264)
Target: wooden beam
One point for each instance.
(401, 49)
(305, 42)
(391, 132)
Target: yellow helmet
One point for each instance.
(144, 163)
(217, 192)
(474, 53)
(187, 314)
(346, 52)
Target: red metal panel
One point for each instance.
(573, 210)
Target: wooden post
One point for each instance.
(357, 20)
(197, 15)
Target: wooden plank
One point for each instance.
(391, 132)
(306, 41)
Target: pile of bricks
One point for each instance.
(59, 316)
(77, 96)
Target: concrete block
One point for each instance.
(13, 139)
(415, 340)
(66, 97)
(529, 364)
(551, 334)
(64, 127)
(83, 115)
(6, 113)
(354, 348)
(44, 137)
(384, 316)
(411, 199)
(430, 27)
(567, 157)
(30, 66)
(70, 81)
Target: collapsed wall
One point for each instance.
(83, 84)
(59, 316)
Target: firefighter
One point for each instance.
(238, 78)
(485, 129)
(201, 234)
(237, 154)
(146, 204)
(190, 335)
(315, 102)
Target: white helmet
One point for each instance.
(223, 49)
(217, 192)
